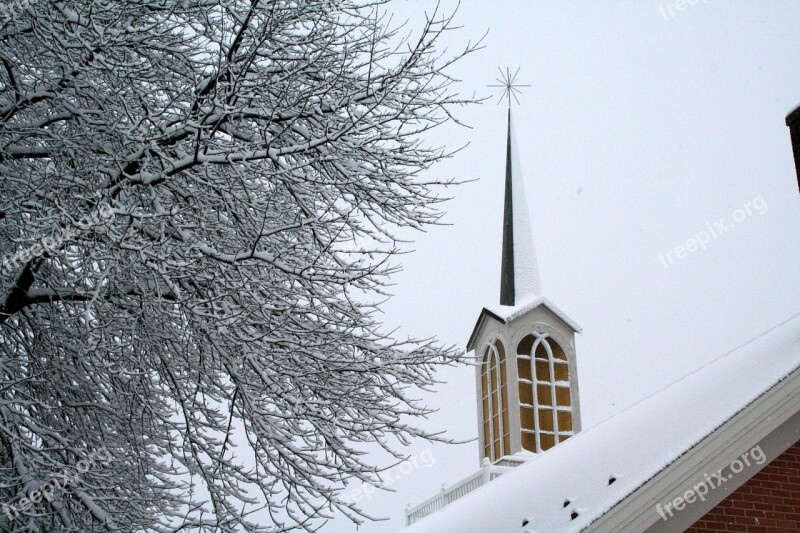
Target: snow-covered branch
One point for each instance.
(258, 158)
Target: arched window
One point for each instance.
(544, 393)
(496, 437)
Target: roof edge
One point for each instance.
(517, 313)
(793, 116)
(484, 312)
(751, 426)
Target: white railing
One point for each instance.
(448, 495)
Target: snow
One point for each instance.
(508, 313)
(632, 446)
(526, 268)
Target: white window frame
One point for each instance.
(492, 365)
(558, 435)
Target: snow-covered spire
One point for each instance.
(519, 275)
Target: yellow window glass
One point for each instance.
(564, 421)
(562, 396)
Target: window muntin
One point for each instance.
(544, 393)
(494, 392)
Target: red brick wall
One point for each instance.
(768, 503)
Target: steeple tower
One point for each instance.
(527, 381)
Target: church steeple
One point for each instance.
(519, 273)
(527, 381)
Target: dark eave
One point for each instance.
(484, 313)
(793, 121)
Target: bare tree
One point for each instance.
(211, 329)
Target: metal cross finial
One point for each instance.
(508, 83)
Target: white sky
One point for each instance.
(637, 132)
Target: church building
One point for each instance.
(718, 450)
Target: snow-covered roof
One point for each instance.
(509, 313)
(567, 487)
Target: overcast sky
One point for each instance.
(640, 130)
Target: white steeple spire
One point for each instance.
(520, 270)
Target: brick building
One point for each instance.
(768, 501)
